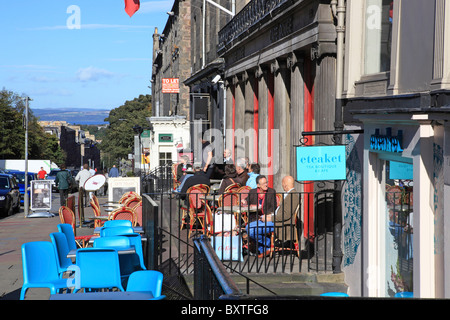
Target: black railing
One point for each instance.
(279, 251)
(251, 15)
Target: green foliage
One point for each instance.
(118, 141)
(12, 132)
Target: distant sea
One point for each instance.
(80, 116)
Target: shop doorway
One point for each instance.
(398, 227)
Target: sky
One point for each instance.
(78, 54)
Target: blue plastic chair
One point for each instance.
(112, 242)
(70, 236)
(117, 223)
(125, 261)
(136, 241)
(334, 294)
(115, 231)
(61, 247)
(405, 294)
(40, 268)
(98, 269)
(148, 280)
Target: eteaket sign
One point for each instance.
(321, 163)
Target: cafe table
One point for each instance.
(137, 229)
(115, 295)
(130, 250)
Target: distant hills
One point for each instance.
(79, 116)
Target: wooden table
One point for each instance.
(115, 295)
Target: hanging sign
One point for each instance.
(170, 85)
(400, 170)
(318, 163)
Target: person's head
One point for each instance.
(240, 166)
(86, 166)
(255, 168)
(230, 169)
(197, 167)
(261, 182)
(185, 159)
(63, 166)
(287, 183)
(42, 168)
(226, 153)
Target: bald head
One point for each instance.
(287, 183)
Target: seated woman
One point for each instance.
(182, 167)
(229, 178)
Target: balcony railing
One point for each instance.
(252, 14)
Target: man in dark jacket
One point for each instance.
(63, 181)
(199, 177)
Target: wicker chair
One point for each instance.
(67, 216)
(124, 213)
(203, 188)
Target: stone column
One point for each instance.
(281, 134)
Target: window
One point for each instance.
(164, 158)
(378, 36)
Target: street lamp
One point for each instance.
(26, 200)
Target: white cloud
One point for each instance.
(93, 74)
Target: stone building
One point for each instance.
(172, 60)
(396, 87)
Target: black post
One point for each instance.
(337, 217)
(150, 224)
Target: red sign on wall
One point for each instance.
(170, 85)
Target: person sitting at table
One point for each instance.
(283, 219)
(182, 167)
(265, 198)
(242, 172)
(229, 178)
(253, 172)
(199, 177)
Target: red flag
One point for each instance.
(131, 6)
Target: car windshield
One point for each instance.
(20, 177)
(4, 183)
(53, 173)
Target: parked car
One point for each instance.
(20, 178)
(9, 195)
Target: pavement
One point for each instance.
(16, 230)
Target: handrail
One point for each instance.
(227, 284)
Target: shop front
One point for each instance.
(403, 205)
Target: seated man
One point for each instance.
(265, 198)
(283, 219)
(199, 177)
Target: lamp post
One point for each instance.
(26, 200)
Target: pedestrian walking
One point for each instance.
(63, 181)
(81, 177)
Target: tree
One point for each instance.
(12, 132)
(118, 141)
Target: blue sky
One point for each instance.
(98, 66)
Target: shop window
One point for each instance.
(378, 36)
